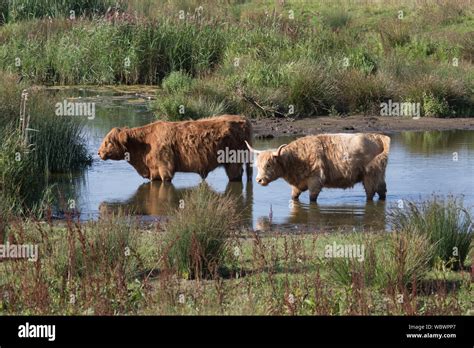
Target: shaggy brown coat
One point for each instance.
(328, 160)
(160, 149)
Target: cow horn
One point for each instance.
(278, 151)
(251, 148)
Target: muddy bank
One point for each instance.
(271, 127)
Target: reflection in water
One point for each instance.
(157, 198)
(436, 141)
(347, 216)
(420, 164)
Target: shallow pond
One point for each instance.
(420, 164)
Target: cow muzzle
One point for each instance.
(262, 181)
(101, 155)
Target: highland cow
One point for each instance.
(158, 150)
(327, 160)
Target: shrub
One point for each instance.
(185, 107)
(434, 107)
(446, 223)
(177, 82)
(311, 90)
(58, 144)
(359, 92)
(198, 234)
(404, 260)
(441, 96)
(55, 144)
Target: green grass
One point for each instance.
(198, 233)
(397, 261)
(17, 10)
(116, 266)
(343, 58)
(54, 144)
(81, 269)
(446, 223)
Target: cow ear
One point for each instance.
(278, 151)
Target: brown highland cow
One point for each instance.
(328, 160)
(160, 149)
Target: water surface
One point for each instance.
(420, 164)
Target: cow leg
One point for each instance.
(382, 190)
(369, 187)
(295, 193)
(249, 171)
(314, 186)
(234, 171)
(165, 174)
(154, 175)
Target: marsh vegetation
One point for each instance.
(261, 59)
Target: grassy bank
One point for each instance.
(259, 59)
(119, 266)
(46, 144)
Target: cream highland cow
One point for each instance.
(327, 160)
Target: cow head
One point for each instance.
(113, 145)
(268, 165)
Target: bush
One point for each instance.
(441, 96)
(446, 223)
(311, 90)
(177, 82)
(404, 260)
(181, 108)
(58, 144)
(198, 234)
(55, 144)
(361, 93)
(434, 107)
